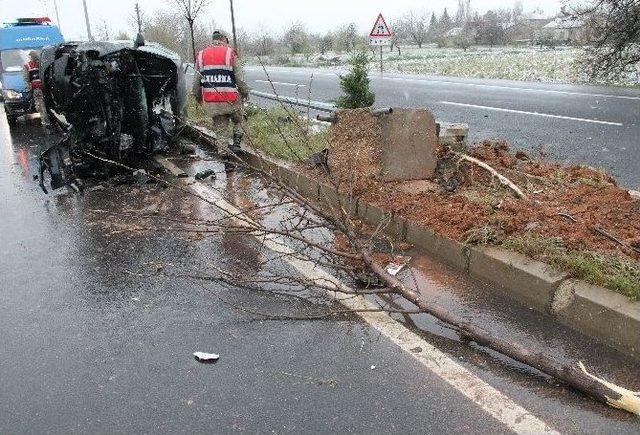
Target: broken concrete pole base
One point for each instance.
(397, 145)
(409, 145)
(453, 135)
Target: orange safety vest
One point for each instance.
(33, 68)
(217, 79)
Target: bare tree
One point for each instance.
(296, 38)
(614, 33)
(191, 9)
(416, 26)
(325, 42)
(518, 9)
(490, 30)
(103, 31)
(346, 38)
(262, 42)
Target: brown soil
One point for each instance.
(588, 195)
(354, 157)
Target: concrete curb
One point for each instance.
(594, 311)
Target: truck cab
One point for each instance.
(16, 41)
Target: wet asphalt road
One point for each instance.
(571, 130)
(97, 330)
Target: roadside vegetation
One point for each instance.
(615, 273)
(355, 84)
(283, 134)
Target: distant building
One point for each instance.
(526, 28)
(456, 31)
(564, 29)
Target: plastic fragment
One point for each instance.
(206, 357)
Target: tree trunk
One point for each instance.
(193, 42)
(574, 376)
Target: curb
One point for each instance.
(594, 311)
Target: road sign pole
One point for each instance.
(380, 35)
(86, 20)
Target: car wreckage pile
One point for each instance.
(115, 101)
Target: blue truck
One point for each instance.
(16, 41)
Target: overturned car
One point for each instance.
(115, 101)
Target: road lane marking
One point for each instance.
(479, 85)
(515, 88)
(489, 399)
(522, 112)
(281, 83)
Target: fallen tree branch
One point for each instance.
(602, 232)
(574, 376)
(503, 180)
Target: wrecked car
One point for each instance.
(115, 102)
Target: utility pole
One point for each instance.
(86, 19)
(233, 27)
(55, 7)
(138, 19)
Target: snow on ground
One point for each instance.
(557, 65)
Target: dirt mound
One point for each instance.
(354, 156)
(580, 205)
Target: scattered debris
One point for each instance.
(187, 149)
(367, 280)
(141, 176)
(203, 175)
(206, 357)
(319, 159)
(503, 180)
(398, 264)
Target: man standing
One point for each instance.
(219, 85)
(34, 84)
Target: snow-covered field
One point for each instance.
(512, 63)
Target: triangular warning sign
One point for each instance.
(380, 28)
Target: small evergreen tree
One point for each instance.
(355, 84)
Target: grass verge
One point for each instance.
(614, 273)
(282, 134)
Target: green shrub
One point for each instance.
(355, 84)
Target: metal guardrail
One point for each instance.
(316, 105)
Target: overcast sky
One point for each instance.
(251, 15)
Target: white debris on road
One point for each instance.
(400, 262)
(206, 357)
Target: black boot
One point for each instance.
(237, 140)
